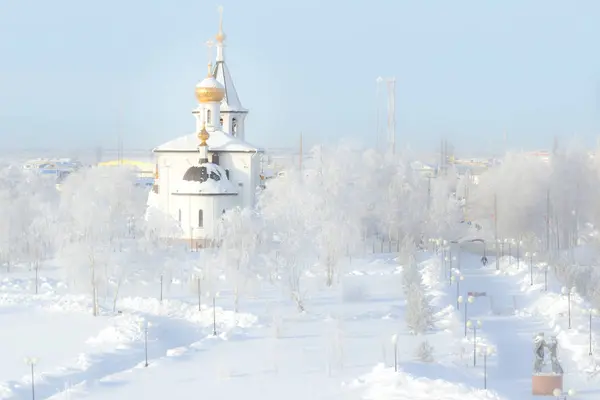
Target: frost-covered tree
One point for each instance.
(418, 314)
(97, 210)
(424, 352)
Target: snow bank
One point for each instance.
(186, 311)
(554, 309)
(386, 384)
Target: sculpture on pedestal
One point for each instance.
(553, 349)
(538, 350)
(539, 343)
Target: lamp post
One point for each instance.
(519, 244)
(474, 326)
(530, 255)
(545, 267)
(395, 343)
(558, 393)
(568, 293)
(145, 324)
(593, 312)
(32, 361)
(457, 277)
(489, 350)
(452, 263)
(470, 299)
(214, 301)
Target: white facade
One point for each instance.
(199, 206)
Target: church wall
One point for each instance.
(243, 168)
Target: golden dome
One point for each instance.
(210, 90)
(203, 135)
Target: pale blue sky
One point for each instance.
(75, 72)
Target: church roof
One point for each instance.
(218, 141)
(231, 101)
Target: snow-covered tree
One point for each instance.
(418, 314)
(424, 352)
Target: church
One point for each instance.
(202, 175)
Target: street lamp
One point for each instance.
(545, 267)
(519, 244)
(474, 326)
(32, 361)
(446, 259)
(395, 343)
(568, 293)
(530, 255)
(488, 351)
(214, 301)
(470, 299)
(145, 324)
(593, 312)
(558, 393)
(457, 277)
(452, 263)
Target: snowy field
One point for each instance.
(341, 347)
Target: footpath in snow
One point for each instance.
(511, 314)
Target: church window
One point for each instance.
(221, 121)
(234, 125)
(208, 119)
(179, 216)
(200, 219)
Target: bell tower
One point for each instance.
(233, 114)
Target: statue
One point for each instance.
(538, 350)
(539, 343)
(552, 349)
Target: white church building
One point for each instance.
(201, 175)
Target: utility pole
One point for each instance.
(391, 86)
(496, 229)
(378, 123)
(390, 143)
(300, 157)
(428, 193)
(548, 222)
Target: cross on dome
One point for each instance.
(220, 35)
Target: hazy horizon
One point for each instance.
(76, 75)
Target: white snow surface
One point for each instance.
(386, 384)
(218, 141)
(210, 82)
(339, 348)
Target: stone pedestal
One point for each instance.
(544, 384)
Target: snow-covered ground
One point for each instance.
(340, 348)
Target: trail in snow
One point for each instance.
(511, 329)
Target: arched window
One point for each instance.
(227, 173)
(233, 125)
(179, 215)
(200, 219)
(221, 121)
(208, 119)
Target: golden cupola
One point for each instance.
(210, 90)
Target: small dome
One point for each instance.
(210, 90)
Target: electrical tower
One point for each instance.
(390, 84)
